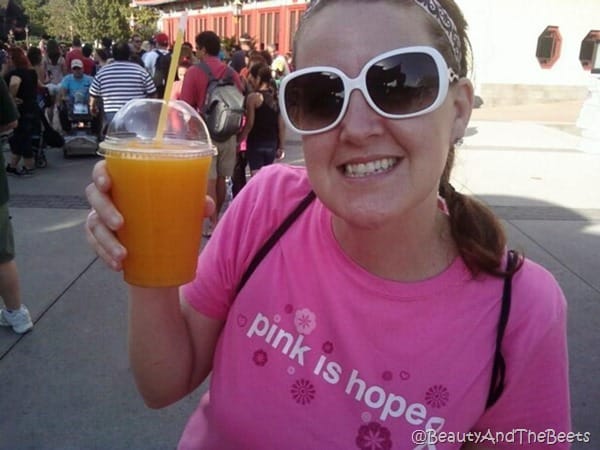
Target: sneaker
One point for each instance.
(13, 171)
(19, 320)
(25, 172)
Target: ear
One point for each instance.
(462, 93)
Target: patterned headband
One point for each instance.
(435, 10)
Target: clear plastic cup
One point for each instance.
(159, 182)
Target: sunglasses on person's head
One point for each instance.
(398, 84)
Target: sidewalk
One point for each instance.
(68, 385)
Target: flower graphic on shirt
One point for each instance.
(305, 321)
(373, 436)
(327, 347)
(303, 391)
(387, 375)
(437, 396)
(242, 320)
(260, 358)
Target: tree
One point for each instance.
(89, 19)
(94, 19)
(58, 21)
(145, 21)
(37, 15)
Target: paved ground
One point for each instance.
(68, 384)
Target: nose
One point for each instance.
(360, 121)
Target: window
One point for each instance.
(220, 25)
(596, 58)
(293, 27)
(588, 46)
(269, 27)
(548, 47)
(245, 24)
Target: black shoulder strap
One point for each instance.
(499, 367)
(270, 243)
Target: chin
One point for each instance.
(365, 213)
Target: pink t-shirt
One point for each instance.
(317, 353)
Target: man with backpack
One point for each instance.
(208, 87)
(157, 62)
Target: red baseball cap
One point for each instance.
(161, 39)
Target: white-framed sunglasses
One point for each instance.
(402, 83)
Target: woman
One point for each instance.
(373, 321)
(264, 129)
(101, 58)
(182, 68)
(22, 81)
(55, 67)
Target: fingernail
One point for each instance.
(115, 221)
(102, 181)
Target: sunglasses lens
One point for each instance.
(314, 100)
(404, 84)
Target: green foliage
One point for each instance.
(228, 43)
(37, 15)
(145, 21)
(89, 19)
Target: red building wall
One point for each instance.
(266, 24)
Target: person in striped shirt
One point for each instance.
(118, 82)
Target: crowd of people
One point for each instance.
(54, 80)
(50, 81)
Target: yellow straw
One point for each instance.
(162, 121)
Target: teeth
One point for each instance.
(370, 168)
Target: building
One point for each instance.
(533, 51)
(268, 22)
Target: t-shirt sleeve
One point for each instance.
(536, 394)
(249, 220)
(190, 88)
(95, 87)
(149, 85)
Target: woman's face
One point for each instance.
(416, 148)
(181, 71)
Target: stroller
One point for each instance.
(44, 135)
(82, 137)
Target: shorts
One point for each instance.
(7, 241)
(21, 142)
(261, 154)
(223, 163)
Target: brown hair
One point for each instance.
(477, 232)
(19, 58)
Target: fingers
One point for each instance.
(104, 242)
(100, 201)
(209, 207)
(104, 219)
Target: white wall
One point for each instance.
(504, 37)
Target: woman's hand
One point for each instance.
(104, 219)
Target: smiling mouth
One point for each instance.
(371, 168)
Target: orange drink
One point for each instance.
(159, 186)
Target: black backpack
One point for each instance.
(161, 71)
(223, 108)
